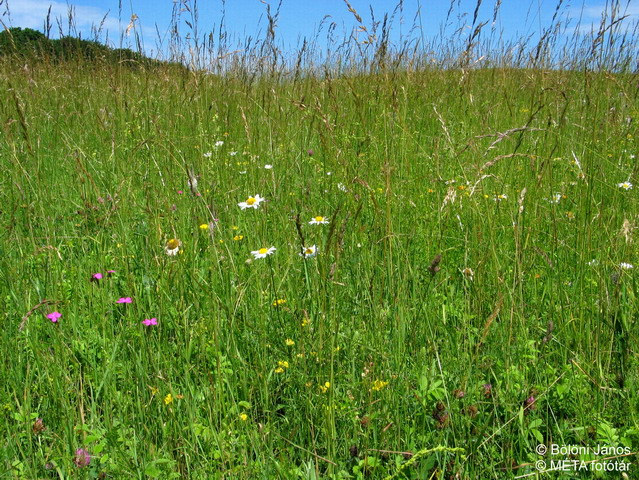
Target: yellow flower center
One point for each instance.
(319, 219)
(308, 251)
(250, 201)
(263, 251)
(173, 244)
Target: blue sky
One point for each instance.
(299, 18)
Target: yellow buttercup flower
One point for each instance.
(378, 385)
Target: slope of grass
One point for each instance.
(341, 365)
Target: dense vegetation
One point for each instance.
(452, 283)
(31, 44)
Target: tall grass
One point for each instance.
(470, 299)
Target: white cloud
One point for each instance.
(592, 12)
(590, 17)
(596, 11)
(32, 14)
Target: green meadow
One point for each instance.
(453, 280)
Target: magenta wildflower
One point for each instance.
(54, 316)
(110, 272)
(180, 192)
(487, 390)
(82, 458)
(124, 300)
(150, 321)
(529, 404)
(310, 152)
(96, 277)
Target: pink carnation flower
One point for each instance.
(149, 321)
(124, 300)
(54, 316)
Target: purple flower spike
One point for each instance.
(125, 300)
(54, 316)
(149, 321)
(82, 458)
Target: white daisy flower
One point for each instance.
(626, 266)
(232, 154)
(309, 251)
(500, 197)
(594, 262)
(219, 143)
(251, 202)
(318, 221)
(242, 173)
(263, 252)
(468, 273)
(207, 154)
(268, 167)
(173, 247)
(342, 187)
(556, 198)
(625, 185)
